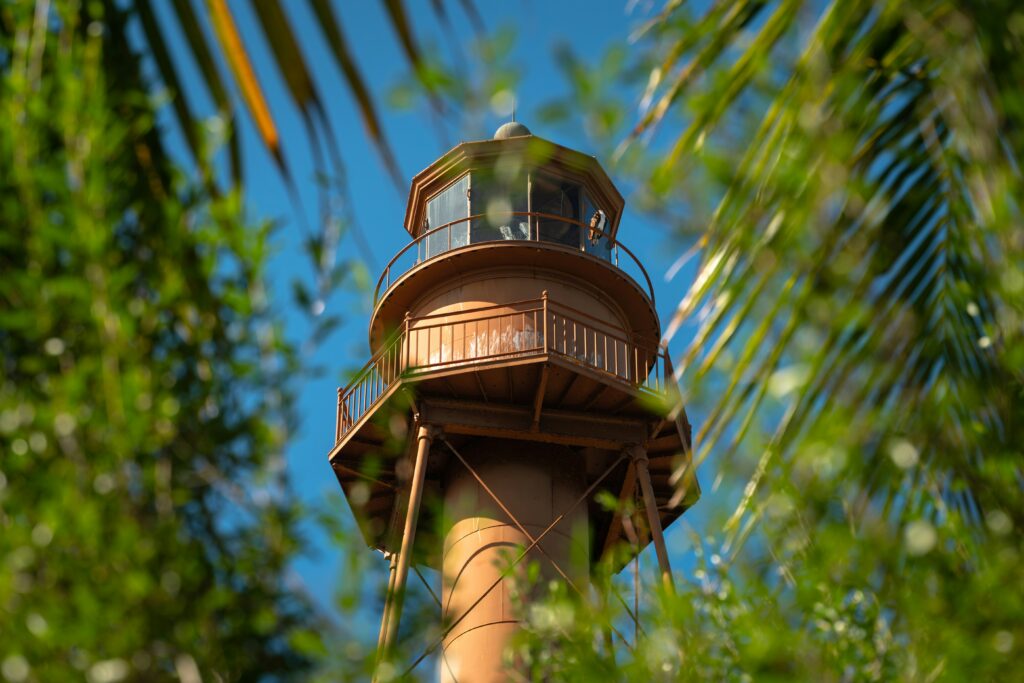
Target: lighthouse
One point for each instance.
(516, 360)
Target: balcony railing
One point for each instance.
(494, 334)
(516, 226)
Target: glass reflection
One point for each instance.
(555, 197)
(513, 206)
(497, 201)
(449, 205)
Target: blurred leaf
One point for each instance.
(332, 29)
(245, 77)
(212, 78)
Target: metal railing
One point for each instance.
(488, 334)
(518, 226)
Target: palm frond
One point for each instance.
(200, 50)
(332, 30)
(850, 258)
(288, 58)
(403, 29)
(245, 78)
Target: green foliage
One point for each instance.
(145, 522)
(851, 176)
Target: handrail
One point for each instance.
(533, 328)
(636, 338)
(533, 236)
(488, 307)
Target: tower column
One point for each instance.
(393, 610)
(643, 475)
(536, 483)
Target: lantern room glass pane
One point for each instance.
(499, 203)
(450, 205)
(557, 198)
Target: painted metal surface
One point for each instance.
(536, 485)
(514, 331)
(439, 242)
(527, 153)
(518, 355)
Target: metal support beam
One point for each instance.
(393, 557)
(625, 497)
(596, 396)
(538, 398)
(393, 615)
(426, 585)
(342, 469)
(568, 388)
(571, 428)
(480, 384)
(643, 476)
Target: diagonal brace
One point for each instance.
(512, 517)
(513, 564)
(522, 529)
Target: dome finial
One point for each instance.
(512, 129)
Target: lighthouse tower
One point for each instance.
(516, 359)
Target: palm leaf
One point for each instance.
(299, 80)
(245, 78)
(865, 170)
(332, 30)
(212, 78)
(292, 66)
(400, 23)
(179, 96)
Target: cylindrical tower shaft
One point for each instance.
(535, 483)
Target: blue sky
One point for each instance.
(378, 207)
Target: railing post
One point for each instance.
(337, 421)
(667, 370)
(406, 342)
(544, 306)
(662, 379)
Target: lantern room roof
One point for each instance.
(529, 150)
